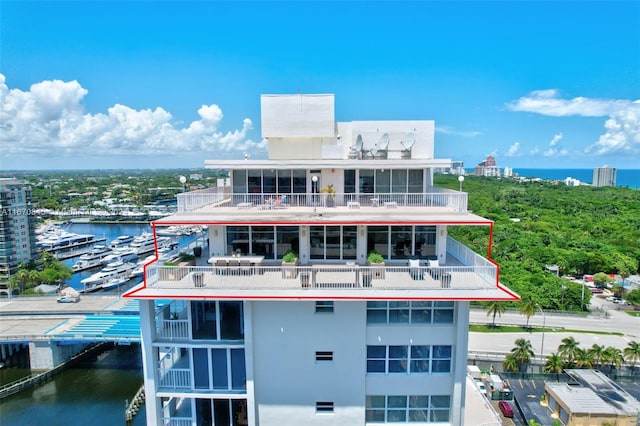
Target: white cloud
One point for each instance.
(514, 150)
(622, 128)
(49, 118)
(553, 152)
(448, 130)
(556, 138)
(534, 151)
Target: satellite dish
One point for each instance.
(359, 143)
(383, 143)
(408, 141)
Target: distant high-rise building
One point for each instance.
(508, 172)
(487, 168)
(17, 229)
(457, 168)
(604, 176)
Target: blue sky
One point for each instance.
(102, 84)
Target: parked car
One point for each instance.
(68, 299)
(505, 408)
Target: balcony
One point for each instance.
(214, 198)
(464, 275)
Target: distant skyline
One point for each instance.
(168, 85)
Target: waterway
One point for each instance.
(93, 392)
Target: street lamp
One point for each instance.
(183, 180)
(460, 179)
(544, 323)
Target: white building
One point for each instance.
(604, 176)
(329, 340)
(17, 229)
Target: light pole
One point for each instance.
(544, 323)
(183, 180)
(460, 179)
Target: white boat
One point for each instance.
(146, 243)
(123, 254)
(115, 282)
(112, 270)
(121, 241)
(65, 240)
(91, 259)
(139, 269)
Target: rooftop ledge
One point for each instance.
(214, 202)
(323, 281)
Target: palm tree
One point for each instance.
(584, 358)
(554, 364)
(23, 279)
(613, 357)
(522, 352)
(632, 353)
(528, 306)
(568, 349)
(510, 363)
(496, 307)
(596, 352)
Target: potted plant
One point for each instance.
(330, 194)
(376, 264)
(289, 264)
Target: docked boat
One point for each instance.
(146, 243)
(115, 282)
(91, 259)
(112, 270)
(121, 241)
(139, 269)
(122, 254)
(66, 240)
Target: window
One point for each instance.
(324, 306)
(407, 408)
(324, 407)
(324, 356)
(416, 359)
(403, 312)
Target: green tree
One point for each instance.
(596, 353)
(496, 307)
(602, 279)
(510, 363)
(568, 349)
(633, 297)
(584, 358)
(612, 357)
(24, 279)
(527, 306)
(554, 364)
(522, 352)
(632, 353)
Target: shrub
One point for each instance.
(375, 257)
(290, 256)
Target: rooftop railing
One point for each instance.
(215, 197)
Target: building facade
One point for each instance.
(604, 176)
(17, 229)
(487, 168)
(290, 319)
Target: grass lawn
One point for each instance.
(488, 328)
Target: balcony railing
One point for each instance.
(435, 197)
(175, 378)
(320, 277)
(171, 328)
(177, 421)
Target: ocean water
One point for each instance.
(624, 177)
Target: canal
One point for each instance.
(94, 392)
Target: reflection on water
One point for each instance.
(92, 393)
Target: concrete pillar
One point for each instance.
(460, 362)
(149, 358)
(45, 355)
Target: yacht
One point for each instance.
(91, 259)
(139, 269)
(112, 270)
(121, 241)
(123, 254)
(66, 240)
(115, 282)
(146, 243)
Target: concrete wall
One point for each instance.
(289, 382)
(297, 116)
(45, 355)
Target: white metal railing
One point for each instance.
(172, 328)
(177, 421)
(435, 197)
(175, 378)
(189, 201)
(321, 276)
(466, 256)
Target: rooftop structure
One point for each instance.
(287, 319)
(593, 399)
